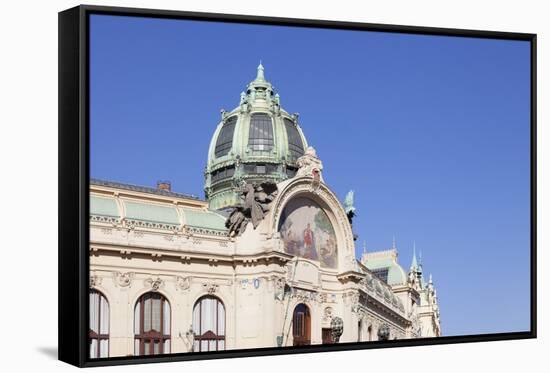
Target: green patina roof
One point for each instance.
(396, 274)
(240, 137)
(150, 212)
(103, 206)
(204, 219)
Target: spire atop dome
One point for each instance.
(260, 72)
(393, 243)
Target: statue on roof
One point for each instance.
(256, 199)
(309, 165)
(348, 206)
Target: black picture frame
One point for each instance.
(74, 182)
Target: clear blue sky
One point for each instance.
(431, 132)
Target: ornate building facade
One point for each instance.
(266, 260)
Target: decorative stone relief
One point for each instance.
(123, 279)
(210, 288)
(304, 296)
(95, 280)
(327, 314)
(154, 283)
(310, 165)
(183, 283)
(279, 288)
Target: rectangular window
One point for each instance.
(260, 135)
(381, 273)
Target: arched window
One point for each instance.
(260, 135)
(301, 325)
(359, 330)
(152, 325)
(370, 332)
(295, 144)
(209, 324)
(225, 138)
(99, 325)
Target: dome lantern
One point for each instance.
(255, 142)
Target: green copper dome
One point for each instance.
(256, 141)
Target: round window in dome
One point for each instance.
(307, 232)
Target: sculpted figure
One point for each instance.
(310, 165)
(256, 199)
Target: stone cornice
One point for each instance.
(187, 256)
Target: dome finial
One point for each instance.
(260, 72)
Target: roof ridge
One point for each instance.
(142, 188)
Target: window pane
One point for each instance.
(295, 145)
(221, 319)
(225, 138)
(212, 345)
(147, 350)
(93, 348)
(204, 345)
(156, 348)
(137, 317)
(196, 346)
(260, 135)
(221, 345)
(94, 310)
(166, 317)
(104, 348)
(196, 319)
(167, 346)
(136, 347)
(208, 315)
(104, 312)
(147, 314)
(156, 310)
